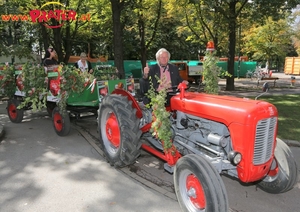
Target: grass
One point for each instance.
(288, 107)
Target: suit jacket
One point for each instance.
(174, 74)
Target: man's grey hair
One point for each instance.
(160, 51)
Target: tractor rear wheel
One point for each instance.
(198, 185)
(61, 122)
(283, 174)
(15, 115)
(119, 130)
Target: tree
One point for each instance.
(16, 39)
(117, 6)
(268, 42)
(155, 10)
(62, 38)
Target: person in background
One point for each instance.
(50, 57)
(164, 70)
(83, 64)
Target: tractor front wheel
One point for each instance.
(119, 130)
(198, 185)
(283, 174)
(61, 122)
(15, 115)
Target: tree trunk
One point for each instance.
(141, 25)
(58, 43)
(117, 7)
(68, 41)
(231, 46)
(67, 44)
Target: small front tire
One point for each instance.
(283, 174)
(15, 115)
(61, 122)
(198, 185)
(50, 107)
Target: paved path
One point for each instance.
(245, 87)
(40, 171)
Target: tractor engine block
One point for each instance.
(198, 132)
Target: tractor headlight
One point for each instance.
(234, 157)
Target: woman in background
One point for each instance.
(50, 57)
(83, 64)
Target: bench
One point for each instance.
(268, 78)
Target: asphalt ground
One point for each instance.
(41, 171)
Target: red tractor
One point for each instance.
(212, 135)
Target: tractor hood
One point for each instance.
(224, 109)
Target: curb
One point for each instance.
(292, 143)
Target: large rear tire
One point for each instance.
(15, 115)
(283, 174)
(198, 185)
(61, 123)
(119, 130)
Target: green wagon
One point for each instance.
(78, 104)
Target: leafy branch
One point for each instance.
(161, 124)
(34, 83)
(71, 80)
(31, 79)
(212, 72)
(7, 79)
(106, 72)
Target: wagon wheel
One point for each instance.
(198, 185)
(119, 130)
(283, 173)
(50, 107)
(15, 115)
(61, 122)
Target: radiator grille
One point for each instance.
(264, 139)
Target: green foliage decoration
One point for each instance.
(7, 80)
(106, 72)
(161, 124)
(34, 83)
(71, 80)
(34, 86)
(212, 72)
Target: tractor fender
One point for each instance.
(139, 113)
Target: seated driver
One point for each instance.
(167, 72)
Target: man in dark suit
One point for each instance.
(165, 71)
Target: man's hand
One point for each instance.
(146, 71)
